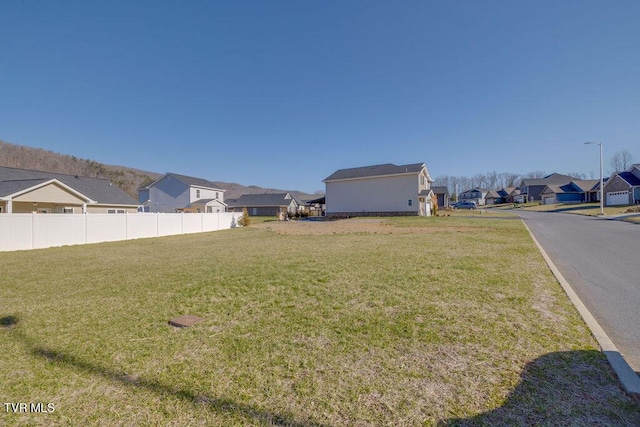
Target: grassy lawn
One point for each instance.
(407, 321)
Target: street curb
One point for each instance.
(628, 378)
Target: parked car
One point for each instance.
(465, 205)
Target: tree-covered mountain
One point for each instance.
(127, 178)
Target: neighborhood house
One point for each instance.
(27, 191)
(269, 204)
(379, 190)
(179, 193)
(623, 188)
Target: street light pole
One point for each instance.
(601, 177)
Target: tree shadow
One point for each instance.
(562, 388)
(220, 405)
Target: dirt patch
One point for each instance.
(352, 225)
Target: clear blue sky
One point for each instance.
(283, 93)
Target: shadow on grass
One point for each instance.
(8, 321)
(219, 405)
(563, 388)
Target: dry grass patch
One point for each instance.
(395, 321)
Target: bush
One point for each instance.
(244, 219)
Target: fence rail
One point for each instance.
(37, 231)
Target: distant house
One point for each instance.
(180, 193)
(504, 195)
(623, 188)
(379, 190)
(476, 195)
(316, 207)
(269, 204)
(531, 188)
(442, 195)
(575, 191)
(26, 191)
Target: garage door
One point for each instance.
(618, 198)
(548, 200)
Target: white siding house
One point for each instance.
(379, 190)
(180, 193)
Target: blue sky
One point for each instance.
(283, 93)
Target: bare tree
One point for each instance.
(535, 174)
(621, 161)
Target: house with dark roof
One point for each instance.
(379, 190)
(173, 192)
(504, 195)
(26, 191)
(623, 188)
(531, 188)
(477, 195)
(441, 194)
(268, 204)
(575, 191)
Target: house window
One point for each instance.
(67, 210)
(216, 194)
(197, 194)
(116, 211)
(410, 202)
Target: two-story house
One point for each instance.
(379, 190)
(179, 193)
(476, 195)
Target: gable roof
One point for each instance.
(440, 189)
(586, 184)
(554, 178)
(14, 180)
(375, 170)
(630, 178)
(262, 200)
(189, 180)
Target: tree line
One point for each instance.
(620, 161)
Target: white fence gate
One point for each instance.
(36, 231)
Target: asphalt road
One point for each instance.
(600, 258)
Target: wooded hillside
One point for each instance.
(127, 178)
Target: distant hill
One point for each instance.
(127, 178)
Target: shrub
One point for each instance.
(244, 219)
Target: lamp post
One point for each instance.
(601, 178)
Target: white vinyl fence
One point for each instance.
(36, 231)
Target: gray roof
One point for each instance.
(554, 178)
(440, 189)
(189, 180)
(13, 180)
(375, 170)
(261, 200)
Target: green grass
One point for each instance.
(418, 321)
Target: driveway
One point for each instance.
(600, 258)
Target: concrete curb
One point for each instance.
(628, 378)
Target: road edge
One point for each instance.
(628, 378)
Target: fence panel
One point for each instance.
(29, 231)
(16, 232)
(142, 225)
(106, 228)
(192, 223)
(169, 224)
(58, 230)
